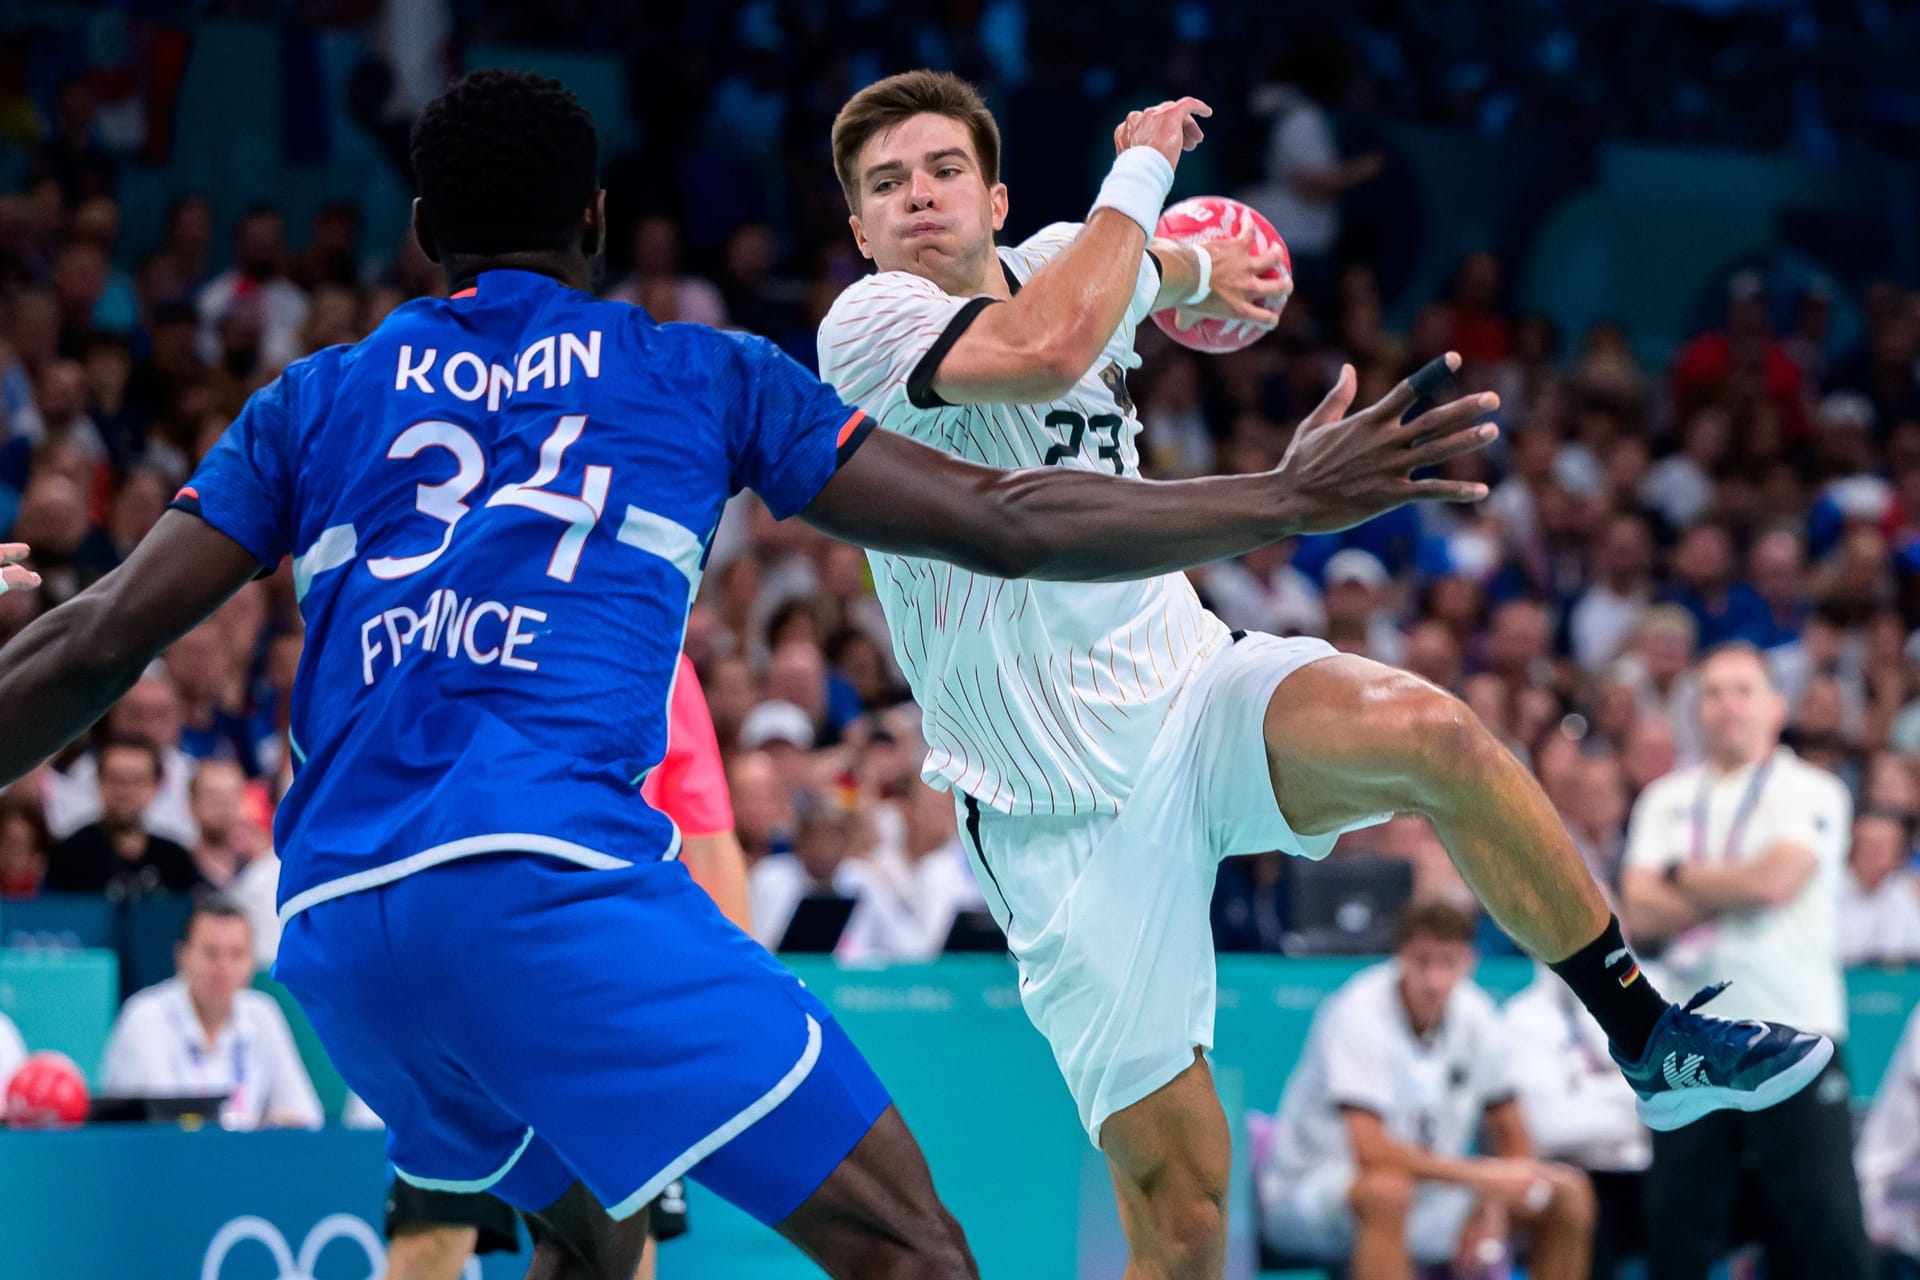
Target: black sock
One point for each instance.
(1606, 977)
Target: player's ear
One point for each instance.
(593, 224)
(423, 230)
(997, 197)
(860, 237)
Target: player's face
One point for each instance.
(925, 205)
(1430, 968)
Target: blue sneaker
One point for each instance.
(1695, 1065)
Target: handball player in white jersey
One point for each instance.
(1108, 744)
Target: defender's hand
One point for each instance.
(13, 575)
(1341, 471)
(1169, 128)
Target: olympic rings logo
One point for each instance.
(289, 1266)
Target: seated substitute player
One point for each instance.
(1371, 1159)
(497, 506)
(431, 1234)
(1109, 744)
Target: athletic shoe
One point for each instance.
(1695, 1064)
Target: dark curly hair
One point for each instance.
(505, 162)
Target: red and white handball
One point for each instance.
(47, 1092)
(1218, 218)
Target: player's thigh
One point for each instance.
(433, 1233)
(1350, 741)
(1116, 961)
(652, 1039)
(877, 1213)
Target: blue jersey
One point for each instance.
(498, 507)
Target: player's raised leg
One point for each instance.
(1170, 1156)
(576, 1239)
(1348, 739)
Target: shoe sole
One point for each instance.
(1678, 1108)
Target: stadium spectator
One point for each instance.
(1609, 611)
(1370, 1160)
(1879, 901)
(149, 712)
(24, 844)
(657, 285)
(206, 1032)
(1358, 619)
(910, 902)
(1580, 1111)
(1263, 591)
(829, 859)
(71, 156)
(117, 855)
(256, 292)
(763, 810)
(227, 841)
(1735, 864)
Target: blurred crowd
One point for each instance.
(1763, 484)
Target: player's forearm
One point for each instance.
(1179, 271)
(1078, 526)
(56, 679)
(1067, 313)
(718, 866)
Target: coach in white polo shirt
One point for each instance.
(1735, 863)
(205, 1031)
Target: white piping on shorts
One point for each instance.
(756, 1111)
(472, 846)
(477, 1184)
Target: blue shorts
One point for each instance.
(522, 1023)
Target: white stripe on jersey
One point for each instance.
(1037, 697)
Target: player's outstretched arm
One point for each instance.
(1061, 523)
(1035, 347)
(62, 673)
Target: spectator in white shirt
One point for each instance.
(1356, 600)
(1879, 895)
(1887, 1156)
(1262, 591)
(908, 909)
(1608, 611)
(1405, 1066)
(205, 1031)
(1580, 1109)
(829, 857)
(257, 278)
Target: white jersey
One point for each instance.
(1430, 1093)
(1784, 961)
(1036, 697)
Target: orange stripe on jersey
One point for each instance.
(846, 431)
(188, 492)
(468, 292)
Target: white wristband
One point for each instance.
(1137, 186)
(1203, 262)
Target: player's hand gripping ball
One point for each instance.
(47, 1092)
(1205, 218)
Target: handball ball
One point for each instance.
(1218, 218)
(47, 1092)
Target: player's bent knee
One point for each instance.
(1573, 1203)
(1194, 1222)
(1381, 1195)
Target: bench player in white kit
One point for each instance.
(1108, 744)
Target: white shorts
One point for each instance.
(1309, 1216)
(1109, 917)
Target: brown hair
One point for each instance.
(885, 103)
(1432, 918)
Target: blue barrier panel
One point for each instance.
(61, 1000)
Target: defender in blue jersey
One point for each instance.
(497, 508)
